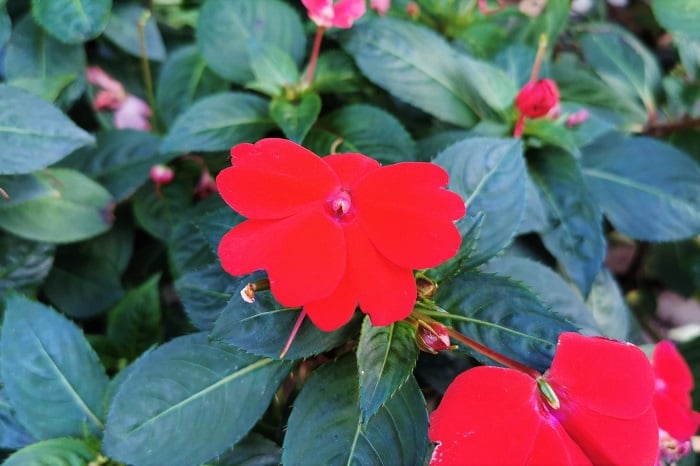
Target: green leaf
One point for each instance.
(219, 122)
(553, 291)
(386, 357)
(188, 401)
(535, 216)
(13, 435)
(263, 327)
(78, 208)
(23, 263)
(364, 129)
(205, 293)
(332, 432)
(23, 188)
(610, 310)
(552, 133)
(134, 324)
(123, 30)
(5, 26)
(214, 225)
(679, 17)
(254, 450)
(489, 174)
(72, 21)
(296, 118)
(622, 61)
(34, 134)
(648, 189)
(52, 376)
(53, 452)
(121, 160)
(336, 73)
(82, 285)
(273, 68)
(551, 22)
(503, 315)
(415, 65)
(225, 26)
(184, 79)
(45, 65)
(160, 215)
(574, 232)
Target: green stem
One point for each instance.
(146, 67)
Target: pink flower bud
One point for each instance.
(537, 98)
(577, 118)
(380, 6)
(161, 174)
(206, 186)
(432, 337)
(413, 10)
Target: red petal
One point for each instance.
(488, 415)
(274, 178)
(336, 310)
(554, 446)
(670, 367)
(387, 292)
(614, 441)
(676, 419)
(304, 254)
(350, 168)
(607, 376)
(408, 215)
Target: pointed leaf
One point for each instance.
(160, 215)
(56, 451)
(489, 174)
(23, 263)
(13, 435)
(218, 122)
(123, 30)
(610, 310)
(648, 189)
(386, 357)
(224, 27)
(205, 293)
(679, 17)
(332, 432)
(188, 401)
(72, 21)
(574, 232)
(295, 119)
(52, 376)
(33, 133)
(273, 68)
(504, 315)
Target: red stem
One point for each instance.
(302, 314)
(314, 55)
(518, 131)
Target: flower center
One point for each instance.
(548, 393)
(339, 204)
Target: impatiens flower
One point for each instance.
(129, 110)
(337, 231)
(380, 6)
(340, 14)
(593, 406)
(535, 100)
(672, 402)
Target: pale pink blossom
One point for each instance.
(577, 118)
(380, 6)
(129, 110)
(340, 14)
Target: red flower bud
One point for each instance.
(432, 337)
(536, 99)
(161, 174)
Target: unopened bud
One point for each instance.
(577, 118)
(413, 10)
(426, 287)
(206, 185)
(432, 337)
(161, 174)
(537, 98)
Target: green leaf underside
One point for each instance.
(188, 386)
(332, 432)
(52, 376)
(386, 358)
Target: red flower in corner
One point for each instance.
(340, 14)
(593, 406)
(672, 402)
(337, 231)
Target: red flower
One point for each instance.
(336, 231)
(672, 402)
(537, 98)
(341, 14)
(593, 406)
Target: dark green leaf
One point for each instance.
(5, 26)
(52, 376)
(273, 68)
(54, 452)
(610, 310)
(332, 432)
(336, 72)
(219, 122)
(13, 435)
(489, 174)
(676, 265)
(188, 401)
(535, 216)
(262, 328)
(160, 215)
(23, 263)
(45, 65)
(120, 162)
(78, 208)
(184, 79)
(504, 315)
(72, 21)
(574, 233)
(296, 118)
(386, 357)
(678, 17)
(123, 30)
(23, 188)
(648, 189)
(552, 290)
(214, 225)
(364, 129)
(33, 133)
(134, 323)
(82, 285)
(205, 293)
(254, 450)
(414, 64)
(225, 25)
